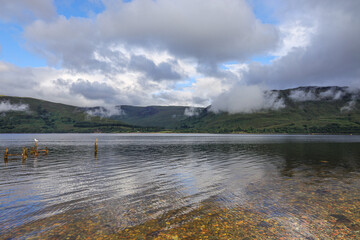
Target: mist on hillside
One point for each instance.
(107, 111)
(6, 106)
(251, 99)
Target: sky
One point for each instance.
(175, 52)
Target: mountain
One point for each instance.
(157, 116)
(28, 115)
(168, 117)
(299, 110)
(305, 110)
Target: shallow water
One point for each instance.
(176, 186)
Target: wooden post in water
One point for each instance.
(23, 154)
(35, 148)
(96, 146)
(36, 152)
(6, 154)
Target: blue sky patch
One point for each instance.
(13, 49)
(263, 11)
(224, 66)
(266, 59)
(79, 8)
(180, 86)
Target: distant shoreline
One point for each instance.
(169, 132)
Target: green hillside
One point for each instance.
(305, 110)
(158, 116)
(46, 117)
(312, 116)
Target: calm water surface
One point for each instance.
(181, 186)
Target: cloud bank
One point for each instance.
(247, 99)
(24, 11)
(192, 111)
(220, 30)
(171, 52)
(105, 111)
(6, 106)
(332, 55)
(250, 99)
(313, 94)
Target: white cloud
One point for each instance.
(93, 89)
(213, 32)
(349, 105)
(301, 95)
(333, 94)
(293, 35)
(139, 52)
(330, 31)
(247, 99)
(72, 43)
(16, 81)
(313, 94)
(106, 111)
(217, 30)
(6, 106)
(23, 11)
(192, 111)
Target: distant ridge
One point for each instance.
(308, 109)
(327, 110)
(29, 115)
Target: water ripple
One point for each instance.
(157, 173)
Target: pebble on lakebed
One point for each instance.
(294, 209)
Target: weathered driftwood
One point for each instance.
(24, 154)
(46, 150)
(35, 151)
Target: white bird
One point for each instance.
(36, 140)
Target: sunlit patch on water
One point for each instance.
(183, 187)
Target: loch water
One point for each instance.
(181, 186)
